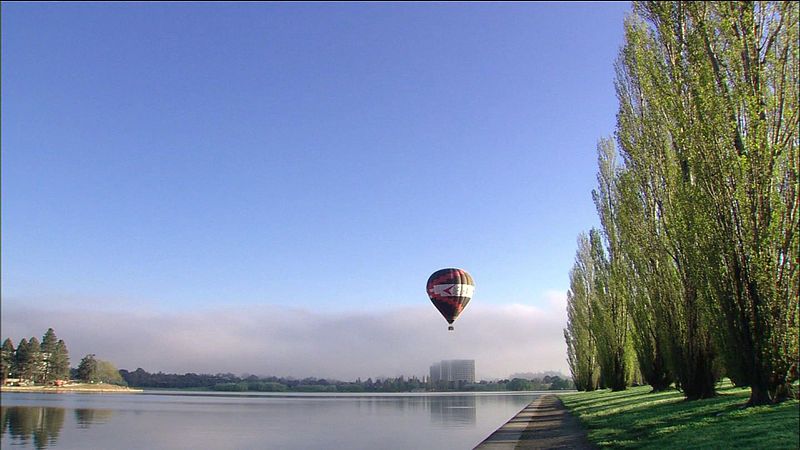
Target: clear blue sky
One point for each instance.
(321, 155)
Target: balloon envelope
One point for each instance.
(450, 290)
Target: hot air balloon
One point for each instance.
(450, 290)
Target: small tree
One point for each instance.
(108, 373)
(87, 369)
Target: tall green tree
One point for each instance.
(708, 126)
(610, 322)
(646, 283)
(654, 150)
(35, 366)
(48, 346)
(581, 343)
(29, 360)
(59, 363)
(7, 366)
(21, 359)
(613, 280)
(747, 164)
(629, 306)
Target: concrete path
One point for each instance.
(544, 424)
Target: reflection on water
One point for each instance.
(86, 417)
(457, 411)
(38, 427)
(179, 420)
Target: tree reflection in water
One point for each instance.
(37, 425)
(87, 417)
(40, 426)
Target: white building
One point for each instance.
(453, 370)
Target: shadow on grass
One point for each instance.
(608, 402)
(639, 419)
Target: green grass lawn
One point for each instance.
(635, 418)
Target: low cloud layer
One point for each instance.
(265, 340)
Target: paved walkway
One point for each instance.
(544, 424)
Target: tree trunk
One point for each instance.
(699, 378)
(702, 380)
(660, 378)
(759, 395)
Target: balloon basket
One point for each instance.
(450, 328)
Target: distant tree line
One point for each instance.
(47, 362)
(547, 383)
(693, 275)
(229, 382)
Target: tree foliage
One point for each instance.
(612, 282)
(700, 216)
(59, 362)
(87, 369)
(107, 372)
(55, 358)
(7, 363)
(581, 342)
(28, 360)
(93, 370)
(35, 362)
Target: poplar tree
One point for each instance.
(653, 148)
(636, 325)
(647, 283)
(609, 320)
(581, 343)
(701, 215)
(708, 128)
(613, 278)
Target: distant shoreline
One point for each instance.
(82, 387)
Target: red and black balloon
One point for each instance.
(450, 290)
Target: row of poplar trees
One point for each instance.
(693, 275)
(41, 363)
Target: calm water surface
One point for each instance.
(181, 420)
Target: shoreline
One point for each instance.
(544, 423)
(83, 388)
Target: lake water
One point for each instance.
(182, 420)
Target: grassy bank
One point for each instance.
(635, 418)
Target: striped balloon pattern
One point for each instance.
(450, 290)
